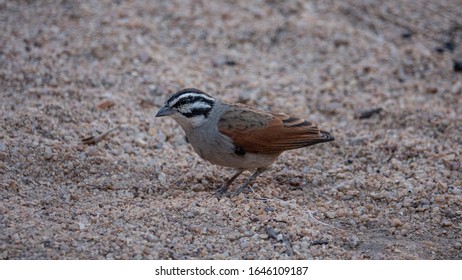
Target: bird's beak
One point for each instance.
(164, 111)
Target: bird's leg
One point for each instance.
(224, 188)
(250, 179)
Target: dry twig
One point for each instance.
(92, 140)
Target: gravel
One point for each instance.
(389, 187)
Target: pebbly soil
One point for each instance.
(389, 187)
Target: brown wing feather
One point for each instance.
(260, 132)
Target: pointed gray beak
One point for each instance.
(164, 111)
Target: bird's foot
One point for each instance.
(221, 191)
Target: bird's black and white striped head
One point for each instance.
(188, 103)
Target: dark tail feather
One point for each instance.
(326, 136)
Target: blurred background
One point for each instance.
(383, 76)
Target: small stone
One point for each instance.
(140, 142)
(424, 201)
(406, 34)
(105, 104)
(194, 228)
(369, 206)
(457, 66)
(431, 90)
(319, 242)
(330, 214)
(144, 57)
(162, 178)
(280, 237)
(151, 237)
(367, 113)
(218, 256)
(446, 223)
(440, 199)
(338, 42)
(223, 60)
(199, 176)
(198, 188)
(74, 227)
(48, 153)
(353, 242)
(396, 223)
(153, 90)
(264, 236)
(295, 182)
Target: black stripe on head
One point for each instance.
(187, 92)
(191, 102)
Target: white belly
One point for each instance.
(220, 151)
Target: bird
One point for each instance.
(236, 135)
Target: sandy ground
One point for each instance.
(389, 187)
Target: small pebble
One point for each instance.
(264, 236)
(396, 223)
(162, 178)
(353, 241)
(446, 223)
(457, 66)
(140, 142)
(48, 154)
(279, 237)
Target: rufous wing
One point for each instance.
(261, 132)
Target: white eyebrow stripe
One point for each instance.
(192, 94)
(200, 104)
(195, 105)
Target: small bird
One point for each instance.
(237, 136)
